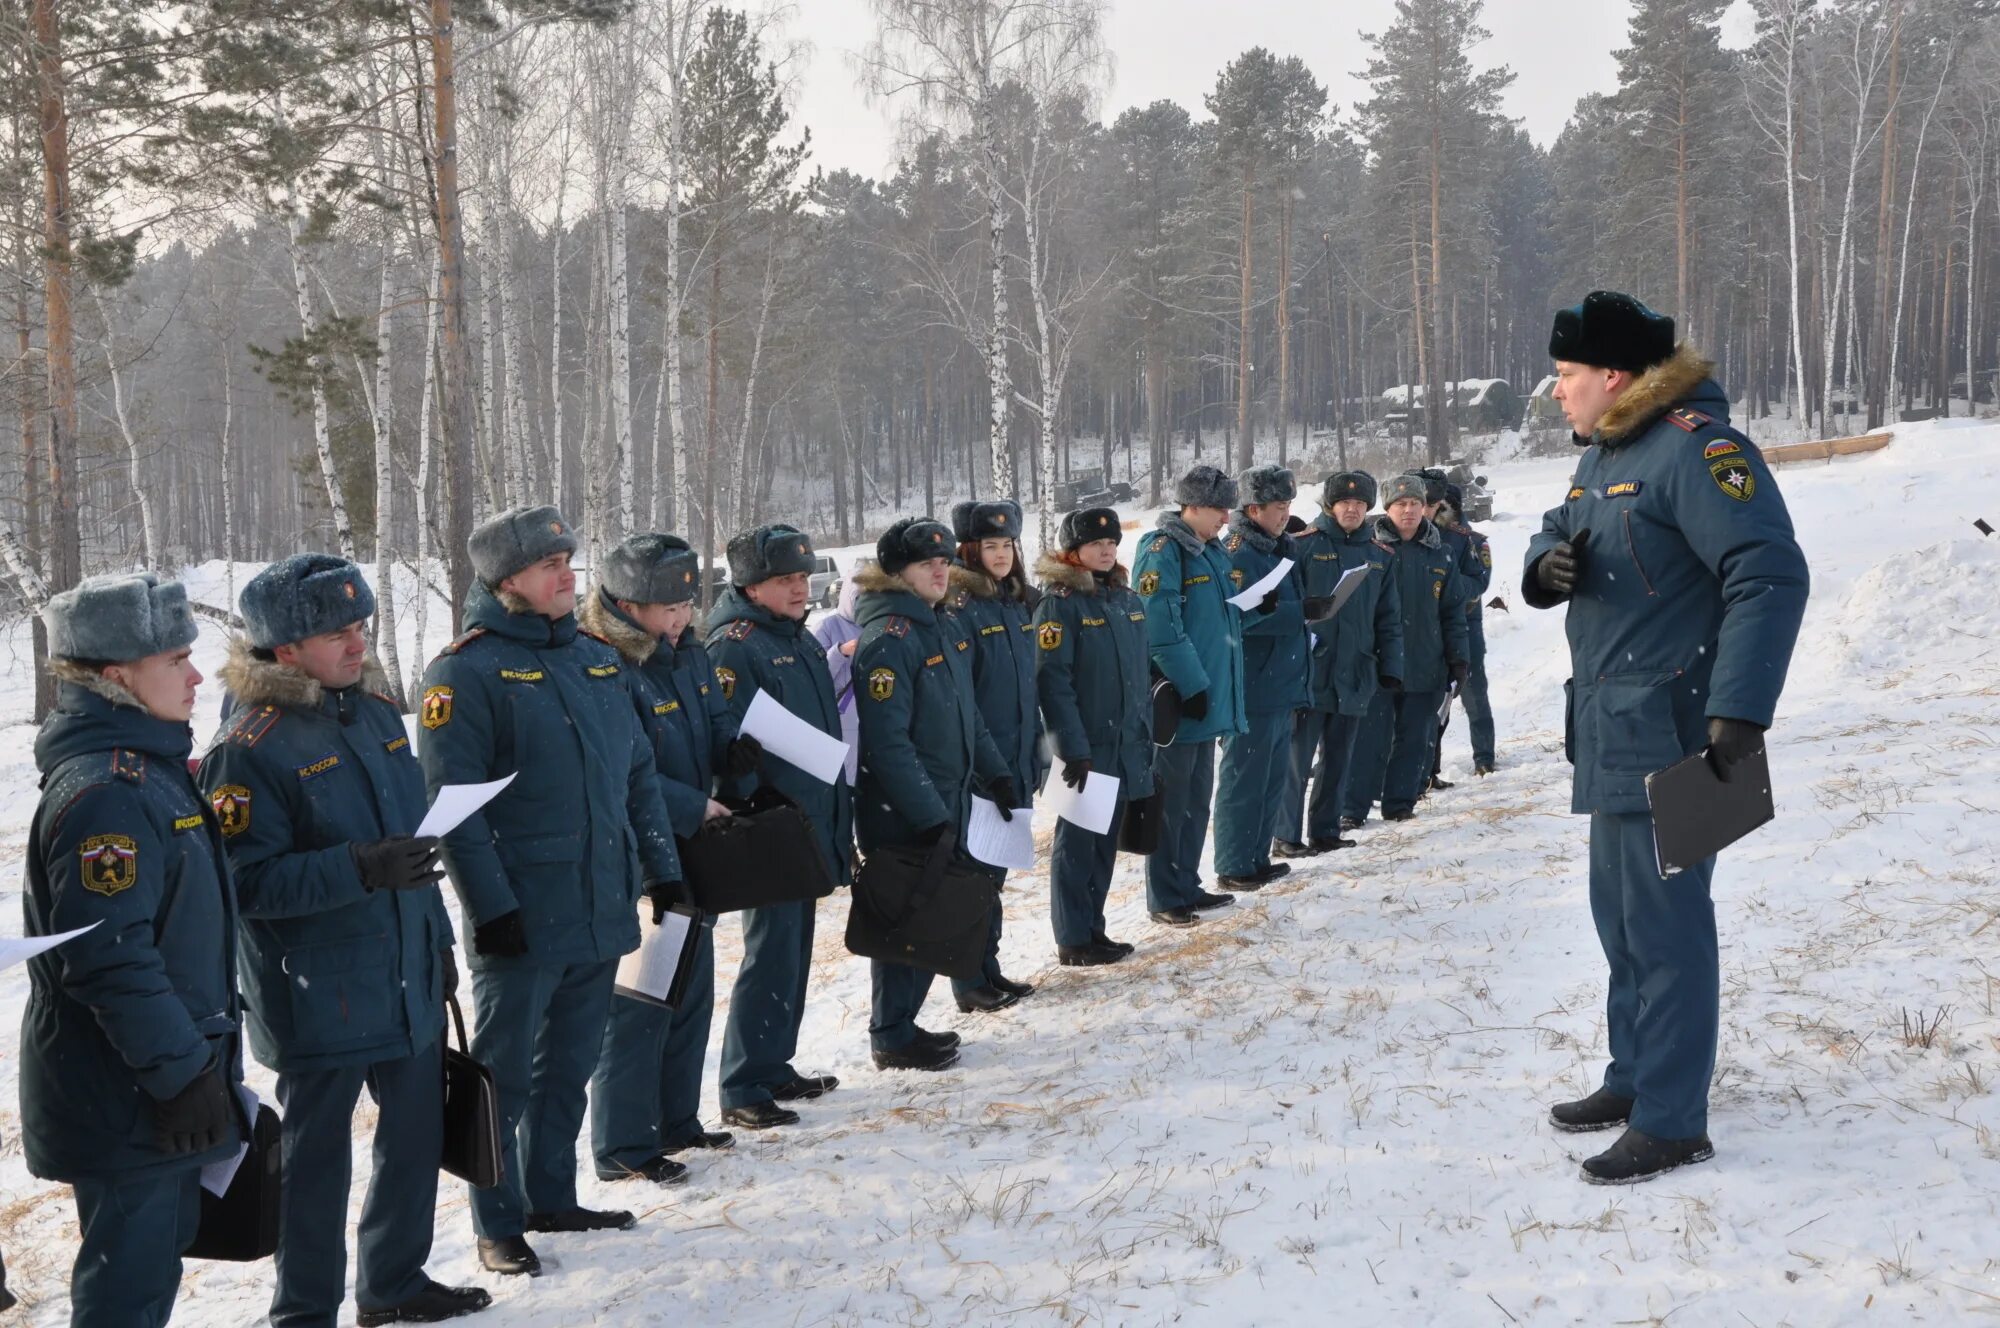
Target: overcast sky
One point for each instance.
(1560, 50)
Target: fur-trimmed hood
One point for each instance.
(1053, 571)
(90, 680)
(255, 682)
(872, 580)
(1253, 534)
(1383, 531)
(1685, 375)
(977, 583)
(598, 616)
(1174, 524)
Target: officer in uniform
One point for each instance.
(1392, 752)
(1093, 675)
(1475, 573)
(1685, 586)
(758, 638)
(1355, 653)
(129, 1045)
(1196, 640)
(924, 748)
(995, 606)
(645, 1099)
(346, 946)
(1251, 780)
(1474, 695)
(549, 873)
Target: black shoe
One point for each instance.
(1123, 947)
(1638, 1156)
(1440, 783)
(1600, 1111)
(434, 1304)
(918, 1055)
(1482, 770)
(1324, 844)
(510, 1255)
(1206, 900)
(985, 1000)
(1176, 917)
(1292, 848)
(661, 1170)
(760, 1116)
(582, 1219)
(930, 1039)
(1407, 814)
(1352, 822)
(1273, 871)
(715, 1140)
(1243, 884)
(7, 1301)
(805, 1088)
(1017, 989)
(1088, 956)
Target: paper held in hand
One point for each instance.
(1090, 807)
(455, 802)
(215, 1177)
(1253, 595)
(789, 738)
(649, 972)
(20, 949)
(998, 842)
(1343, 591)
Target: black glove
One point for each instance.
(1560, 569)
(195, 1119)
(1318, 607)
(1195, 707)
(450, 973)
(501, 938)
(1074, 773)
(664, 894)
(1268, 603)
(1389, 682)
(1730, 743)
(1459, 670)
(1001, 793)
(400, 862)
(743, 757)
(928, 838)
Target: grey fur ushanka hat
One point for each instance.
(118, 618)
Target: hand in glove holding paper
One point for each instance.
(1075, 772)
(1001, 791)
(400, 862)
(663, 895)
(743, 757)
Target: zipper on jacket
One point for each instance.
(1632, 547)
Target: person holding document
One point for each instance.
(646, 1096)
(993, 602)
(1251, 779)
(1355, 652)
(1093, 677)
(758, 638)
(1392, 751)
(923, 749)
(1685, 586)
(1195, 636)
(550, 872)
(1475, 572)
(346, 946)
(130, 1059)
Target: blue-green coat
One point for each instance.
(332, 974)
(1423, 575)
(1093, 673)
(923, 745)
(582, 829)
(1693, 584)
(1003, 670)
(1194, 633)
(1274, 643)
(755, 651)
(1475, 566)
(130, 1013)
(1364, 641)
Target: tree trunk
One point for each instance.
(142, 487)
(1245, 451)
(1284, 320)
(336, 500)
(65, 544)
(999, 387)
(385, 473)
(426, 466)
(459, 469)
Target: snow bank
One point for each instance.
(1926, 612)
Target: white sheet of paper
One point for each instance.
(20, 949)
(1091, 806)
(647, 973)
(1253, 595)
(215, 1177)
(455, 802)
(998, 842)
(790, 738)
(1343, 590)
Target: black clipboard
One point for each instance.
(1166, 702)
(683, 958)
(471, 1113)
(241, 1224)
(1696, 815)
(1343, 591)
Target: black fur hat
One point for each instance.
(1612, 331)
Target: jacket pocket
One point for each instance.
(343, 994)
(1632, 548)
(546, 872)
(1629, 726)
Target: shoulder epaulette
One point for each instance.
(385, 698)
(463, 641)
(897, 626)
(251, 725)
(1233, 543)
(585, 631)
(740, 630)
(1159, 542)
(1059, 589)
(1688, 418)
(129, 765)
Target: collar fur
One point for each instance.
(1654, 393)
(1384, 531)
(90, 680)
(978, 583)
(632, 642)
(1173, 523)
(871, 579)
(1053, 571)
(255, 682)
(1241, 524)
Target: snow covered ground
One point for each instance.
(1328, 1104)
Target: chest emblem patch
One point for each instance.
(1627, 489)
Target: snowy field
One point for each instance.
(1327, 1104)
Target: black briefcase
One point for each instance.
(1139, 828)
(764, 852)
(1166, 702)
(924, 907)
(471, 1114)
(241, 1224)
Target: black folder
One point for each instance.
(1696, 815)
(240, 1225)
(471, 1114)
